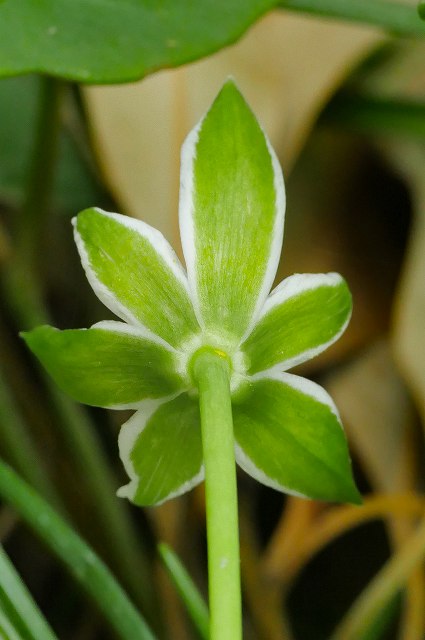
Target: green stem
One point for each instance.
(42, 169)
(211, 372)
(21, 283)
(126, 551)
(23, 287)
(16, 440)
(193, 601)
(7, 630)
(397, 17)
(23, 293)
(79, 558)
(368, 114)
(20, 600)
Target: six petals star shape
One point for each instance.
(287, 430)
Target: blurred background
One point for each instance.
(344, 107)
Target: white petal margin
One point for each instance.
(277, 241)
(307, 387)
(296, 284)
(186, 206)
(187, 233)
(139, 332)
(130, 431)
(156, 239)
(247, 465)
(289, 288)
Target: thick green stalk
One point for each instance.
(397, 17)
(78, 557)
(211, 372)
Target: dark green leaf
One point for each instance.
(74, 188)
(117, 40)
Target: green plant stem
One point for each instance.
(211, 372)
(18, 443)
(41, 174)
(16, 595)
(21, 281)
(194, 603)
(78, 557)
(23, 293)
(7, 630)
(399, 18)
(368, 114)
(125, 550)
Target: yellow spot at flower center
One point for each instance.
(225, 351)
(220, 353)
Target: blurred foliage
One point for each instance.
(344, 106)
(115, 41)
(18, 99)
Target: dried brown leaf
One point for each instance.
(287, 66)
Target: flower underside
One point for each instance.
(287, 430)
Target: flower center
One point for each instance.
(235, 358)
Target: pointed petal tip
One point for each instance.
(230, 90)
(349, 494)
(89, 212)
(230, 84)
(127, 490)
(84, 214)
(355, 497)
(29, 335)
(229, 94)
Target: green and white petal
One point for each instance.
(232, 205)
(110, 365)
(161, 449)
(302, 317)
(135, 273)
(289, 436)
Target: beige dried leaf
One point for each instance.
(409, 309)
(375, 407)
(287, 66)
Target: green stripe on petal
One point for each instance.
(161, 449)
(289, 437)
(303, 316)
(232, 204)
(135, 273)
(110, 365)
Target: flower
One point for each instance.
(287, 431)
